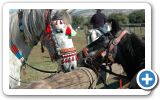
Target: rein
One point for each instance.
(15, 50)
(110, 46)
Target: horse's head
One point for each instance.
(105, 46)
(96, 51)
(62, 33)
(126, 49)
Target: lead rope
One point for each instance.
(120, 80)
(15, 50)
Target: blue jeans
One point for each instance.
(103, 29)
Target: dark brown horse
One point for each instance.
(129, 51)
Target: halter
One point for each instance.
(109, 47)
(67, 55)
(112, 43)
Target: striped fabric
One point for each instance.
(15, 50)
(67, 58)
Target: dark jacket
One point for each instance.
(98, 20)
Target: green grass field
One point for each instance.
(42, 61)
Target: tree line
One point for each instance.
(137, 16)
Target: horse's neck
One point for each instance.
(128, 56)
(18, 38)
(23, 48)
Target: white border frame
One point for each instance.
(8, 6)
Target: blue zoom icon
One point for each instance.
(147, 79)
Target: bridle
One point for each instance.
(66, 55)
(108, 48)
(109, 60)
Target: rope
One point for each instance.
(40, 70)
(90, 76)
(18, 80)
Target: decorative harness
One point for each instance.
(67, 54)
(17, 53)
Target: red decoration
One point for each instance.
(61, 22)
(72, 58)
(120, 83)
(14, 49)
(66, 60)
(68, 31)
(62, 61)
(48, 28)
(77, 57)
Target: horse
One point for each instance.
(62, 34)
(94, 34)
(121, 46)
(27, 28)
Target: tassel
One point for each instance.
(66, 60)
(68, 31)
(120, 83)
(73, 58)
(62, 61)
(76, 57)
(48, 28)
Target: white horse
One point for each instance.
(34, 28)
(62, 34)
(94, 34)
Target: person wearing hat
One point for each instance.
(98, 21)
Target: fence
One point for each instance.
(138, 28)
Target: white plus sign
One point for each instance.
(147, 79)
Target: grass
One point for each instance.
(43, 61)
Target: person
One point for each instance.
(98, 21)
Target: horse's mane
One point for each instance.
(115, 26)
(64, 15)
(34, 23)
(130, 52)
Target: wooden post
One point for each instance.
(82, 78)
